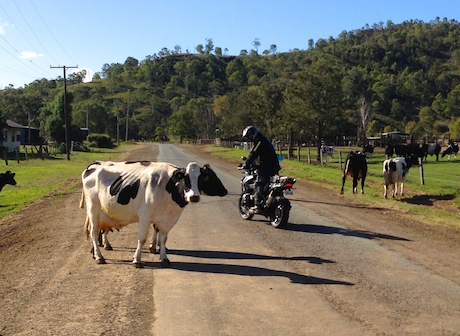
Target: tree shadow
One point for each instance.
(329, 230)
(428, 200)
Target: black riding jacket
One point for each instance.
(263, 149)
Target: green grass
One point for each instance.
(442, 182)
(37, 178)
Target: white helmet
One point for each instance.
(250, 130)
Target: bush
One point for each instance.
(99, 140)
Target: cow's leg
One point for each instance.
(355, 185)
(105, 241)
(385, 189)
(362, 184)
(162, 237)
(141, 239)
(153, 241)
(402, 188)
(395, 189)
(343, 182)
(93, 217)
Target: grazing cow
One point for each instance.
(368, 151)
(389, 151)
(395, 170)
(356, 167)
(327, 152)
(144, 192)
(452, 149)
(7, 178)
(431, 149)
(406, 150)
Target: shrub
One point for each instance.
(99, 140)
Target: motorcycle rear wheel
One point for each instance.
(244, 209)
(279, 216)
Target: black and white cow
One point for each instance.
(389, 151)
(144, 192)
(356, 167)
(432, 149)
(327, 152)
(452, 149)
(7, 178)
(368, 150)
(395, 170)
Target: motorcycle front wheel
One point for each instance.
(244, 209)
(279, 216)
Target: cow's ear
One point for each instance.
(179, 174)
(204, 176)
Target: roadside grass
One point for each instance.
(442, 183)
(37, 178)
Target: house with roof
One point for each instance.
(16, 135)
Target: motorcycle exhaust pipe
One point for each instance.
(269, 200)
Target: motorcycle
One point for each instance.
(276, 206)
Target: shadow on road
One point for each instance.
(321, 229)
(241, 256)
(247, 271)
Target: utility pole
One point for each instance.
(127, 118)
(66, 119)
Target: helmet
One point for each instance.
(250, 130)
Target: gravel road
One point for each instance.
(339, 268)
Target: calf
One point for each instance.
(144, 192)
(327, 152)
(396, 170)
(7, 178)
(356, 167)
(432, 149)
(389, 151)
(368, 150)
(452, 149)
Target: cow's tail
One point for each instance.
(82, 206)
(86, 228)
(82, 200)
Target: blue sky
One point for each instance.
(37, 34)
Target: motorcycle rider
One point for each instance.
(269, 164)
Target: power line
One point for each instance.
(51, 32)
(33, 32)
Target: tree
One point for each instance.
(314, 100)
(52, 116)
(454, 128)
(256, 44)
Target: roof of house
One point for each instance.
(14, 124)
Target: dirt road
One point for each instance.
(339, 268)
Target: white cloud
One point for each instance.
(2, 28)
(30, 54)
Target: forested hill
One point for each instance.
(379, 78)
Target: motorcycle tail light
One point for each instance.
(289, 185)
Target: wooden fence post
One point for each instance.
(340, 160)
(422, 177)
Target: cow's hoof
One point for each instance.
(166, 263)
(152, 250)
(109, 248)
(138, 265)
(101, 261)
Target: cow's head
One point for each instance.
(186, 184)
(411, 160)
(8, 178)
(209, 183)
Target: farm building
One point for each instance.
(16, 135)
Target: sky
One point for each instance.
(38, 38)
